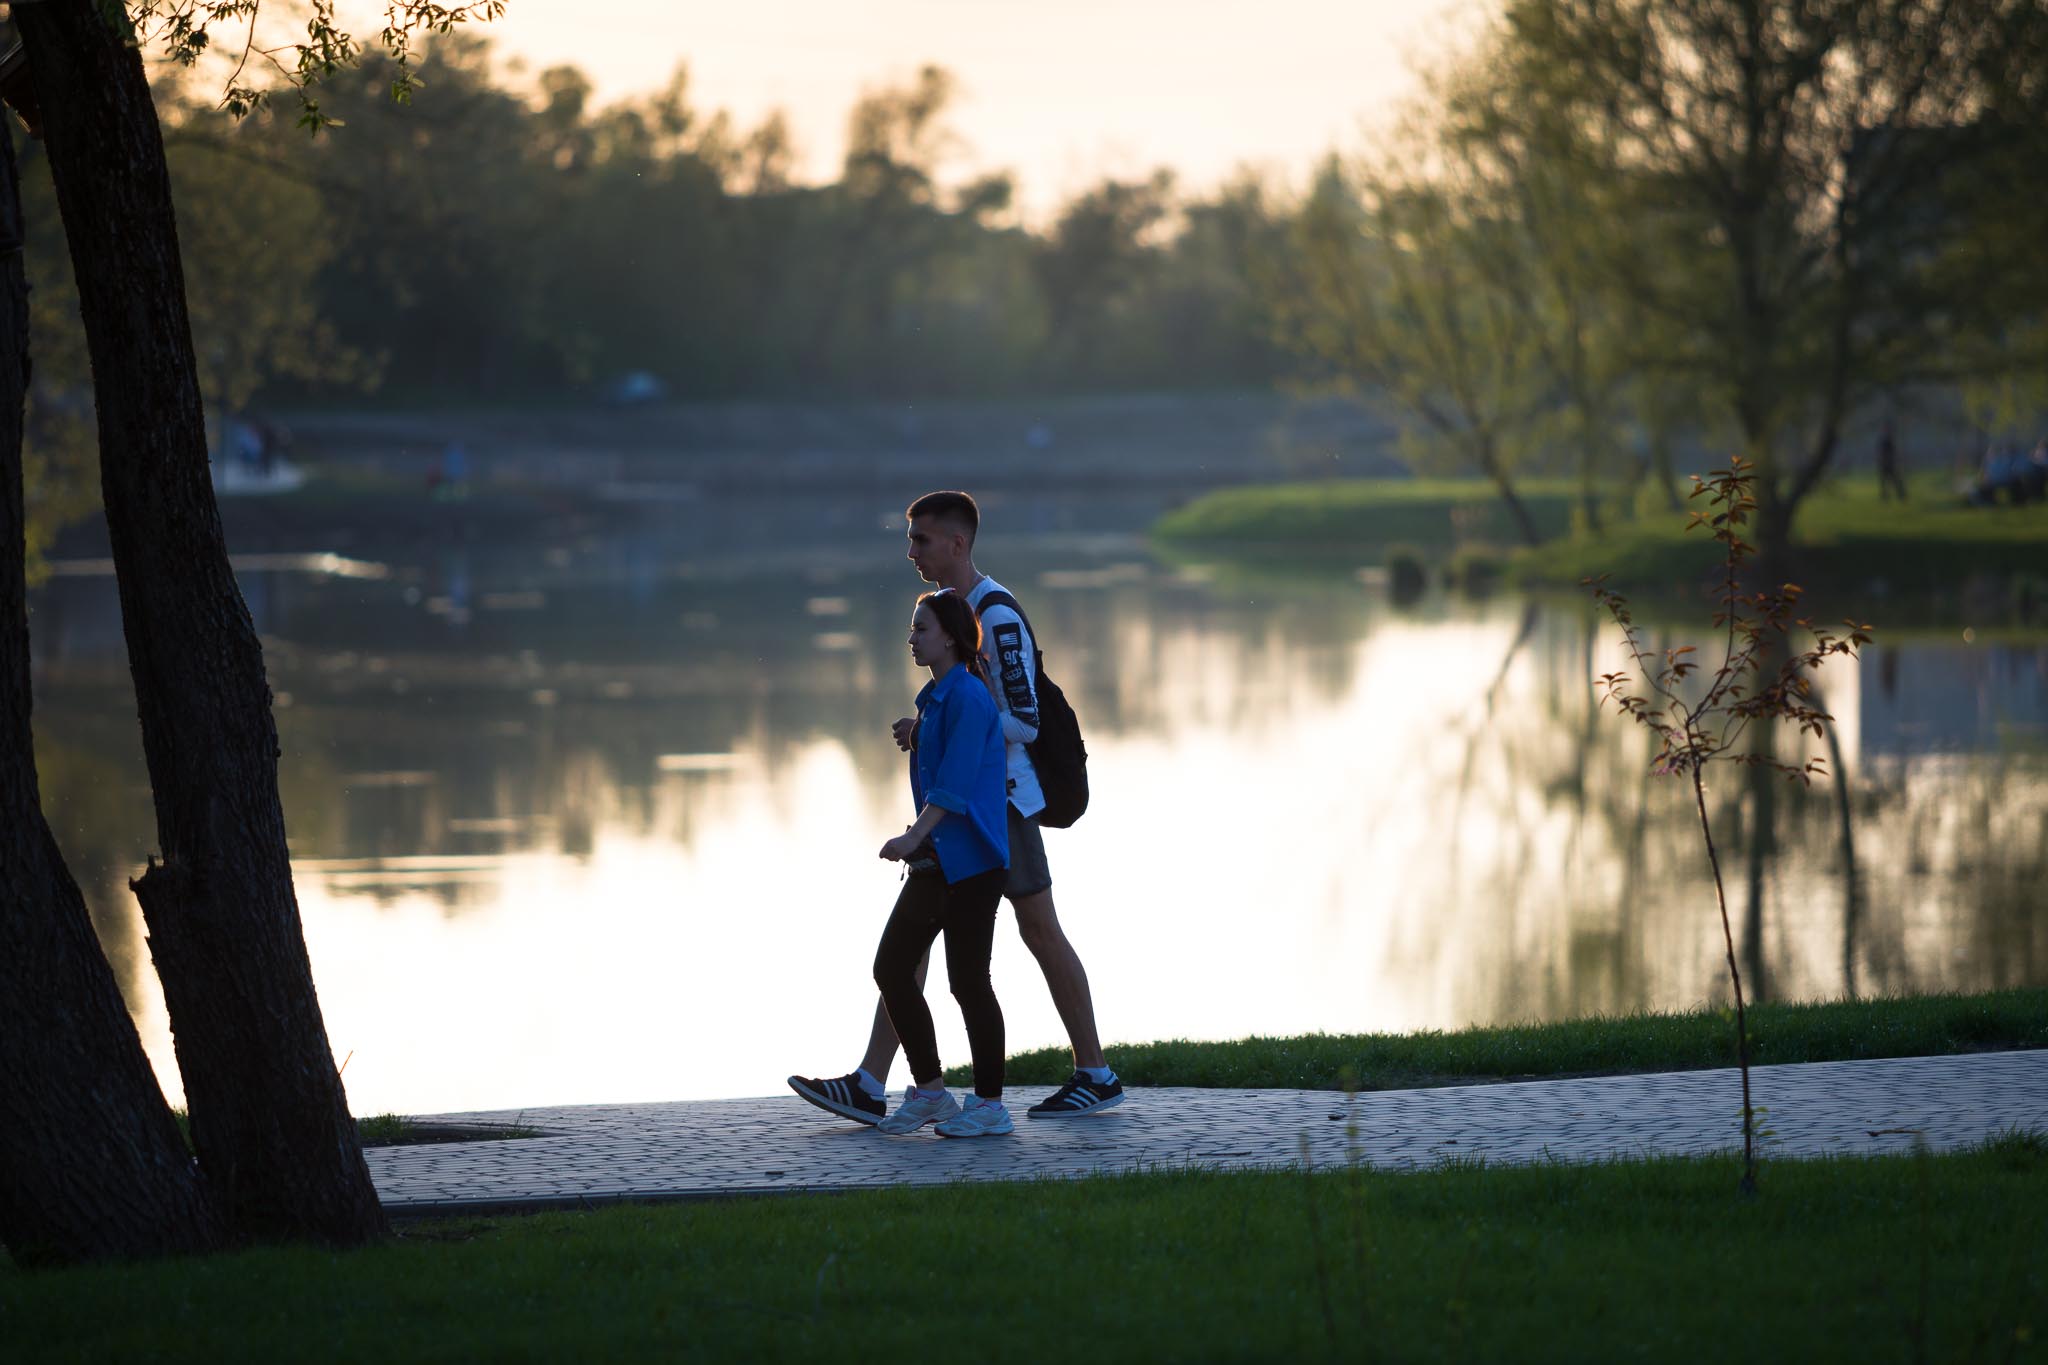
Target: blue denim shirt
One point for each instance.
(959, 765)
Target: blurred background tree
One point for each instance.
(1796, 186)
(1388, 286)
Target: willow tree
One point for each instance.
(1387, 283)
(85, 1170)
(1542, 241)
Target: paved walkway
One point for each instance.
(602, 1153)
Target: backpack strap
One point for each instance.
(1003, 599)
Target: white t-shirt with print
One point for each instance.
(1012, 658)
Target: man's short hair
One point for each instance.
(954, 508)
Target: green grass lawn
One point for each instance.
(1847, 538)
(1914, 1026)
(1898, 1258)
(1340, 515)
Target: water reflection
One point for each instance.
(575, 825)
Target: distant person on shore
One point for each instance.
(1890, 474)
(448, 475)
(942, 529)
(2010, 471)
(957, 859)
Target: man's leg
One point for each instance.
(1093, 1087)
(1065, 977)
(882, 1041)
(1029, 890)
(862, 1094)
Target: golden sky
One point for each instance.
(1062, 92)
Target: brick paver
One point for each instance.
(601, 1153)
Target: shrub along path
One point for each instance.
(593, 1154)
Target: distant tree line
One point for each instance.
(483, 241)
(1606, 232)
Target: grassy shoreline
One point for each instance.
(1340, 515)
(1823, 1031)
(1839, 1258)
(1846, 538)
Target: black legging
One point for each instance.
(966, 912)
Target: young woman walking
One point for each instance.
(958, 858)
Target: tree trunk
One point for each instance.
(269, 1119)
(1775, 508)
(1524, 523)
(92, 1166)
(1490, 465)
(1666, 473)
(1589, 477)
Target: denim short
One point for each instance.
(1029, 874)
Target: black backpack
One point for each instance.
(1058, 756)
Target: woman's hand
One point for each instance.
(899, 849)
(903, 731)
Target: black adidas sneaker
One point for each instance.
(842, 1095)
(1077, 1097)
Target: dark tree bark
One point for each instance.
(1491, 465)
(269, 1119)
(92, 1166)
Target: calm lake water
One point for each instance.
(592, 816)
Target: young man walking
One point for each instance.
(942, 528)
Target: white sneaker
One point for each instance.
(918, 1110)
(981, 1118)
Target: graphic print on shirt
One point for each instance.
(1016, 682)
